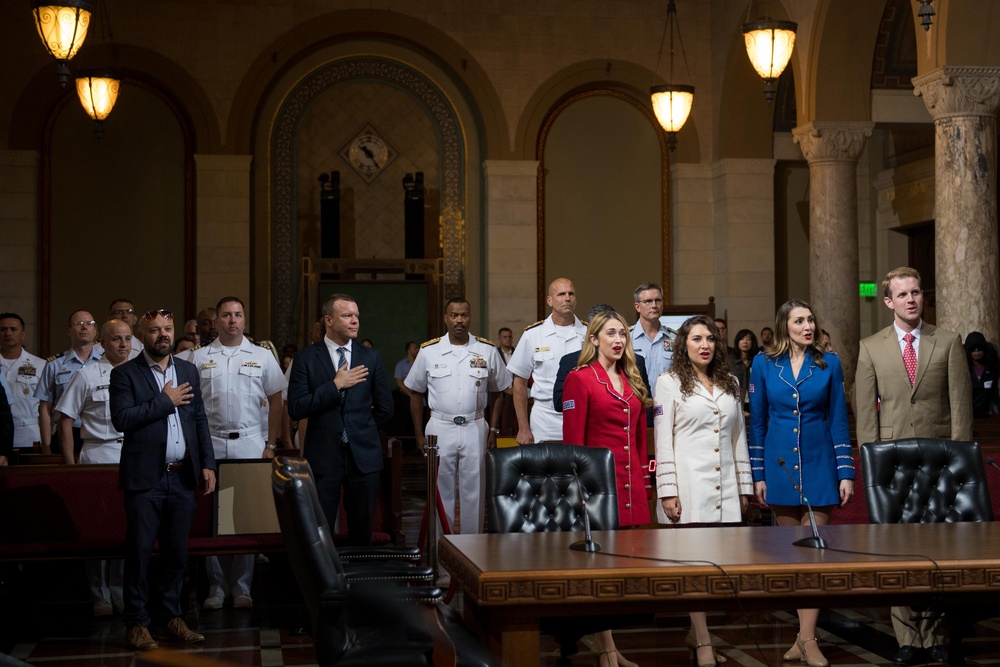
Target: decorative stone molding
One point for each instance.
(960, 91)
(840, 141)
(285, 262)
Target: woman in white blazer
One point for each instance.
(702, 460)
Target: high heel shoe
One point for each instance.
(612, 658)
(696, 661)
(798, 653)
(693, 643)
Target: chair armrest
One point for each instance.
(389, 572)
(354, 554)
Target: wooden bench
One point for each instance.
(58, 512)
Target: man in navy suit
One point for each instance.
(167, 450)
(342, 390)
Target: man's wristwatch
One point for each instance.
(272, 447)
(495, 431)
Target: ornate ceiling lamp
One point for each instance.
(98, 89)
(98, 92)
(769, 44)
(62, 27)
(672, 102)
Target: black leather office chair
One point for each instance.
(923, 480)
(363, 614)
(532, 489)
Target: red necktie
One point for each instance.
(910, 357)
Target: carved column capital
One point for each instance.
(832, 141)
(960, 91)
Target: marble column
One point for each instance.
(963, 102)
(19, 245)
(832, 150)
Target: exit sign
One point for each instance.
(867, 289)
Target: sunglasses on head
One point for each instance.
(152, 314)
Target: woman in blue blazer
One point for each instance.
(798, 414)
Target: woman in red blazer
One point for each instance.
(604, 405)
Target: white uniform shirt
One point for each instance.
(23, 375)
(458, 378)
(538, 353)
(88, 399)
(235, 385)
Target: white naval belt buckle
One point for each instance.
(460, 420)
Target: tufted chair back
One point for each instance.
(531, 488)
(923, 480)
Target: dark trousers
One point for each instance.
(164, 512)
(360, 495)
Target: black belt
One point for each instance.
(175, 466)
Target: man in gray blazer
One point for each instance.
(912, 381)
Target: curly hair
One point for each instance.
(626, 363)
(782, 343)
(718, 368)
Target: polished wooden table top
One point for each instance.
(875, 560)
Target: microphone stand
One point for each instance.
(992, 462)
(587, 544)
(815, 541)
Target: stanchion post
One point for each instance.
(431, 452)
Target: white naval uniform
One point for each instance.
(56, 375)
(458, 380)
(537, 355)
(235, 386)
(23, 375)
(87, 399)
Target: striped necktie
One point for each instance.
(341, 362)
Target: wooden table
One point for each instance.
(511, 581)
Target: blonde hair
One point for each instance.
(626, 363)
(901, 272)
(782, 343)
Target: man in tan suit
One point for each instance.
(912, 381)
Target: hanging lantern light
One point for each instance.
(672, 102)
(98, 92)
(769, 45)
(672, 106)
(62, 27)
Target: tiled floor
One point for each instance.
(45, 620)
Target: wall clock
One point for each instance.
(368, 153)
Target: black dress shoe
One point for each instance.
(938, 653)
(907, 655)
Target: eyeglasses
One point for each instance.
(152, 314)
(123, 311)
(651, 302)
(84, 323)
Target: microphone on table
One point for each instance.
(989, 459)
(588, 543)
(815, 542)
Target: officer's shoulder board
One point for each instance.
(532, 326)
(197, 347)
(487, 341)
(54, 357)
(430, 342)
(266, 344)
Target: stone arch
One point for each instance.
(837, 82)
(281, 184)
(629, 78)
(321, 33)
(39, 98)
